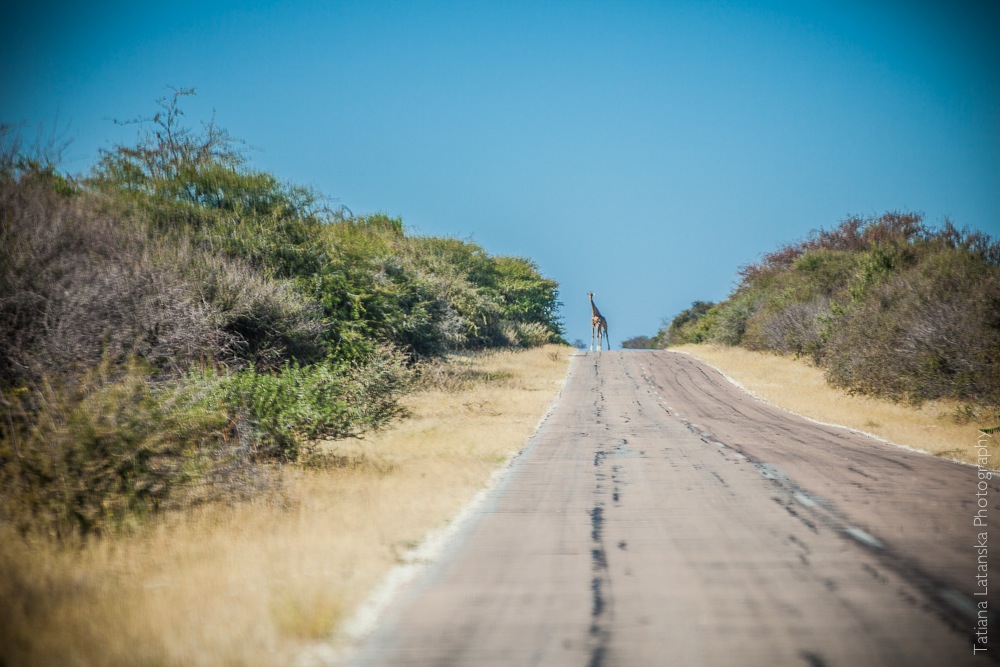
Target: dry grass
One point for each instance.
(258, 583)
(941, 428)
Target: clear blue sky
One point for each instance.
(644, 151)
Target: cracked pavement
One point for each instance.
(662, 516)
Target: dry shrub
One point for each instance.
(524, 334)
(930, 332)
(77, 284)
(462, 371)
(265, 320)
(797, 328)
(97, 454)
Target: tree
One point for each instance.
(168, 151)
(639, 343)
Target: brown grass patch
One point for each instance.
(259, 582)
(936, 427)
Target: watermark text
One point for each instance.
(980, 521)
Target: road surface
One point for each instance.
(661, 516)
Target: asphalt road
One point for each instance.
(661, 516)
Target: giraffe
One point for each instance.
(598, 325)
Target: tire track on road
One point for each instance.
(663, 516)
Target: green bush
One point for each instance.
(687, 326)
(640, 343)
(731, 318)
(289, 409)
(88, 456)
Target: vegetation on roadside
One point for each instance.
(273, 580)
(887, 306)
(176, 323)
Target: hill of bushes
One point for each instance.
(175, 324)
(887, 305)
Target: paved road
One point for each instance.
(663, 517)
